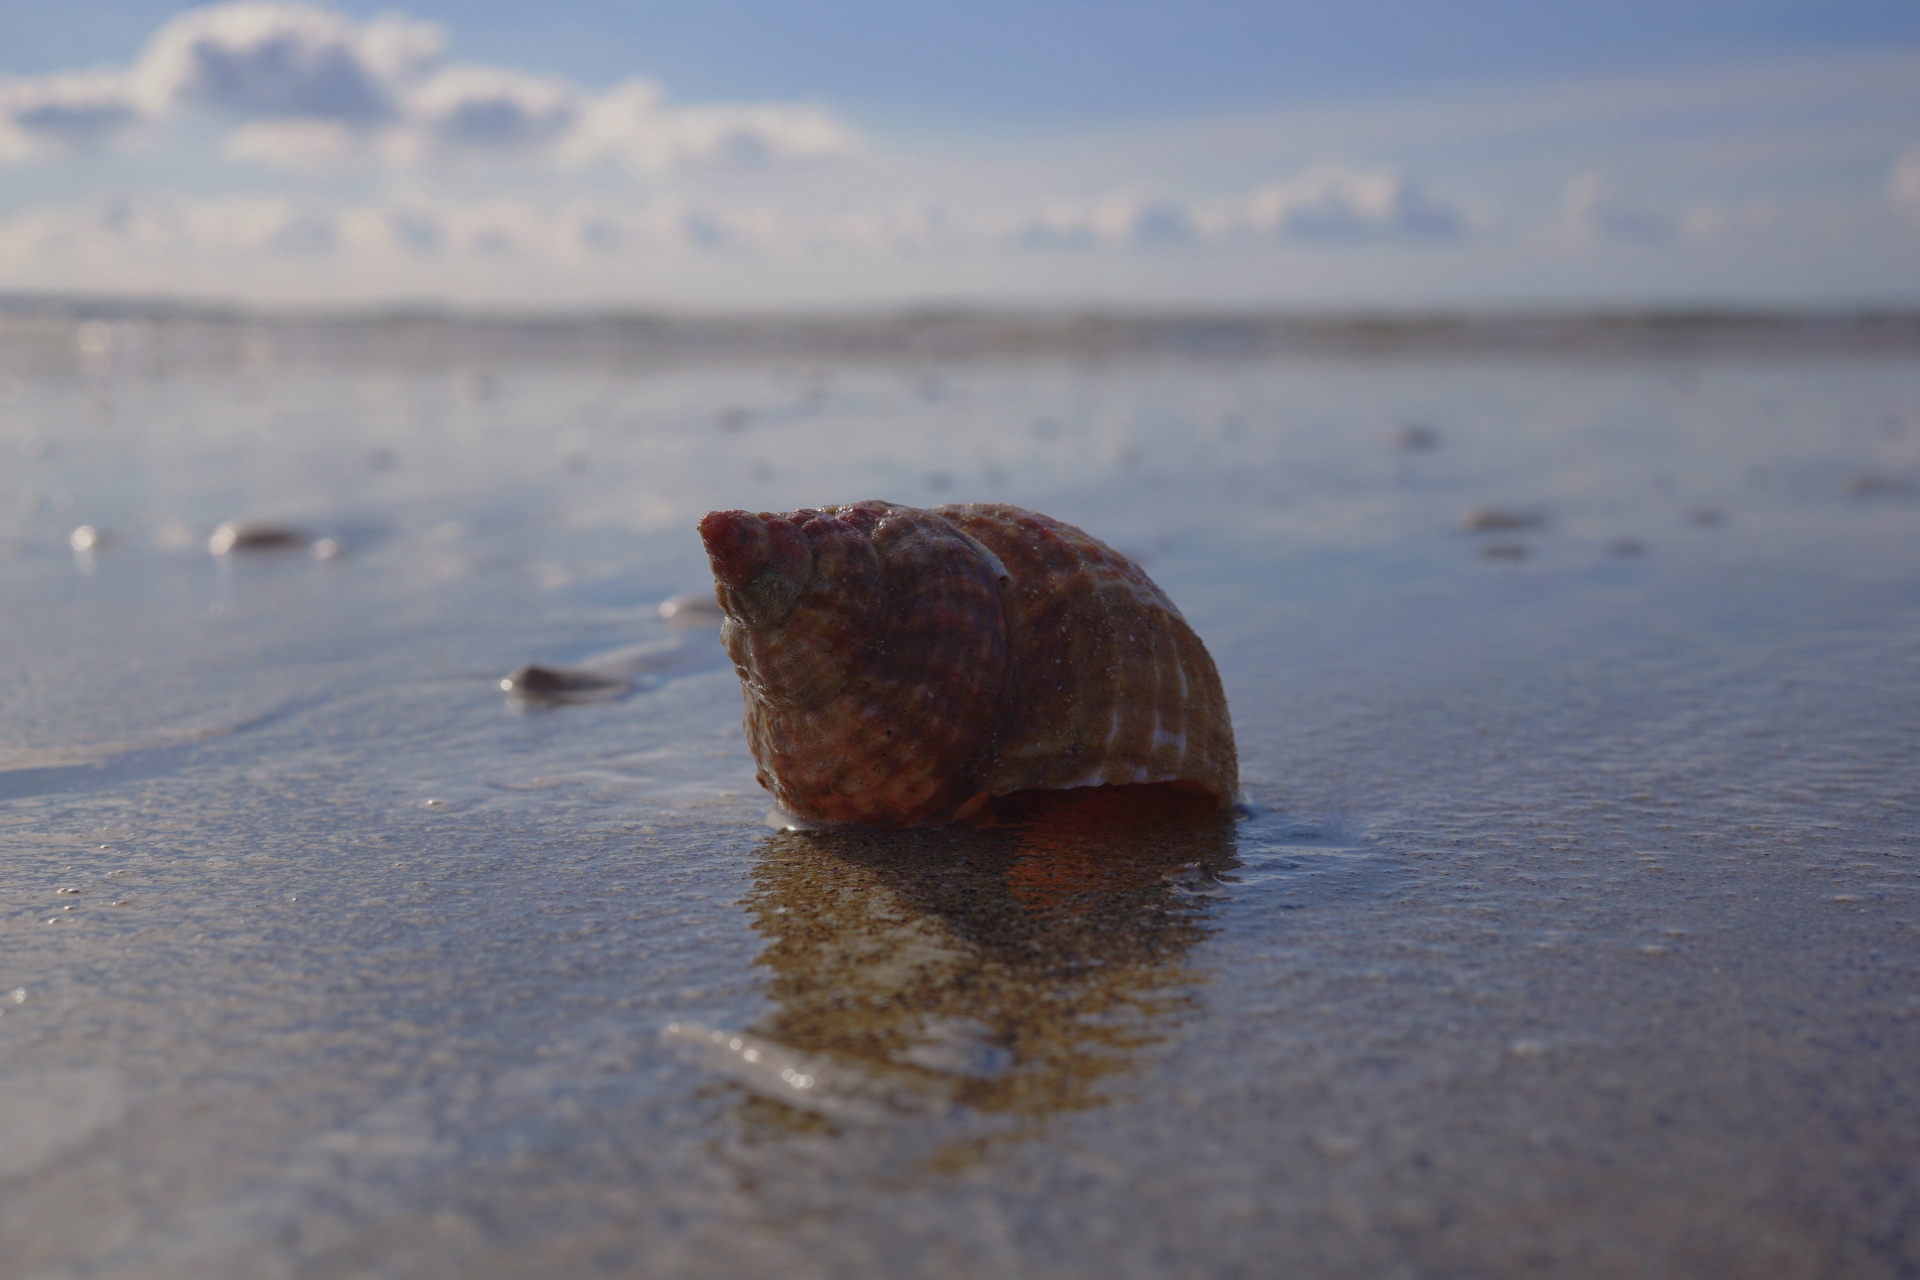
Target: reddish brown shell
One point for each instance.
(902, 665)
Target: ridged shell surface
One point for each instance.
(900, 665)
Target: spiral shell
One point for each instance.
(901, 666)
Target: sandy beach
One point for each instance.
(1570, 925)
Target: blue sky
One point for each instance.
(1008, 63)
(1375, 153)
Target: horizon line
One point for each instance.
(83, 305)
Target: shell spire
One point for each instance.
(900, 666)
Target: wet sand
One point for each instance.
(1572, 926)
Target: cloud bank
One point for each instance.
(1321, 206)
(1326, 204)
(313, 154)
(303, 86)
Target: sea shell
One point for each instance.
(901, 666)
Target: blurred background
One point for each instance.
(1386, 153)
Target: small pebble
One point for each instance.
(328, 549)
(560, 684)
(1416, 438)
(1497, 520)
(247, 535)
(692, 608)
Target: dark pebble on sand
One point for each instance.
(560, 684)
(1496, 520)
(249, 535)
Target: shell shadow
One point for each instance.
(1017, 969)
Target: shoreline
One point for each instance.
(91, 329)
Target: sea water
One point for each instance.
(1570, 924)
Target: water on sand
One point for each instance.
(1574, 927)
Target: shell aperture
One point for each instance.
(901, 665)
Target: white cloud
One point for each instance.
(1590, 213)
(632, 122)
(481, 109)
(406, 173)
(1320, 205)
(1903, 185)
(296, 145)
(179, 231)
(1124, 221)
(1346, 204)
(156, 225)
(452, 232)
(279, 61)
(51, 114)
(1710, 221)
(307, 87)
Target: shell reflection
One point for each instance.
(1016, 970)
